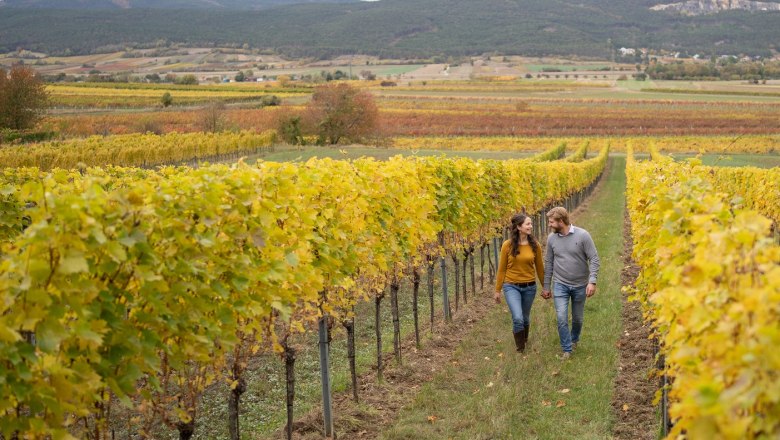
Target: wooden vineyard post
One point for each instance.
(472, 251)
(495, 253)
(349, 325)
(289, 368)
(457, 279)
(431, 271)
(415, 295)
(482, 266)
(394, 287)
(327, 411)
(465, 273)
(445, 297)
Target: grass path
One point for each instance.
(489, 391)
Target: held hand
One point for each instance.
(590, 290)
(497, 297)
(546, 294)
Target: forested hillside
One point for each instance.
(158, 4)
(402, 28)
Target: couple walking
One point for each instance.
(570, 264)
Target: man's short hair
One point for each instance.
(559, 213)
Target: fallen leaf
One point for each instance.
(555, 373)
(487, 358)
(564, 391)
(490, 385)
(501, 355)
(546, 403)
(625, 407)
(432, 419)
(560, 404)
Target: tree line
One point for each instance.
(726, 69)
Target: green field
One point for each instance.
(620, 93)
(381, 70)
(735, 160)
(565, 67)
(598, 88)
(287, 154)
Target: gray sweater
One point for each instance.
(571, 259)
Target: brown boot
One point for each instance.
(520, 341)
(525, 334)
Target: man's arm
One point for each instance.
(594, 265)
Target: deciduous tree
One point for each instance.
(166, 99)
(340, 112)
(23, 98)
(212, 117)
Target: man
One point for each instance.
(572, 263)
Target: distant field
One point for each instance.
(115, 95)
(627, 92)
(355, 152)
(393, 69)
(736, 160)
(771, 86)
(566, 67)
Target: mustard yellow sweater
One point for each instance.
(520, 268)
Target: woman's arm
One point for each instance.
(539, 263)
(502, 263)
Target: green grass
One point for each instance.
(565, 67)
(492, 392)
(355, 152)
(734, 160)
(632, 84)
(741, 93)
(382, 70)
(636, 95)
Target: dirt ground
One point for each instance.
(635, 385)
(380, 402)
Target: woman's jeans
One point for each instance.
(519, 300)
(561, 295)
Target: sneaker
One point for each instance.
(565, 356)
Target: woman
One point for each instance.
(519, 266)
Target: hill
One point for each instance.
(157, 4)
(400, 28)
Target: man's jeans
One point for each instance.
(519, 300)
(561, 295)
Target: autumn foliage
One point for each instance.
(340, 112)
(23, 98)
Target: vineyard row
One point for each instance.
(149, 286)
(710, 286)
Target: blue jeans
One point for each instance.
(519, 300)
(561, 295)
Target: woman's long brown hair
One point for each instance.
(517, 220)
